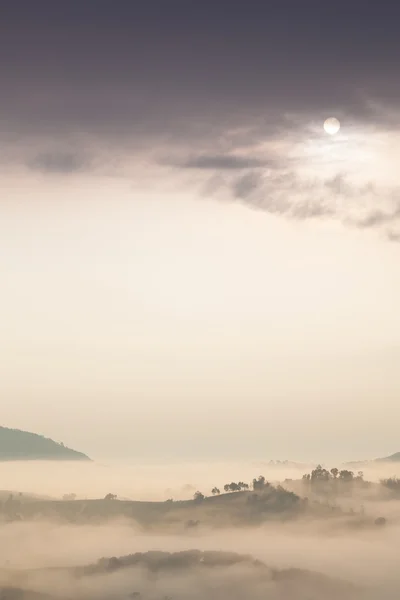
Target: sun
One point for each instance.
(332, 125)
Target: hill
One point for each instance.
(23, 445)
(365, 463)
(235, 509)
(174, 575)
(392, 458)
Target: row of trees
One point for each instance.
(257, 485)
(392, 483)
(233, 487)
(319, 474)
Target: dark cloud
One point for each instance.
(284, 193)
(278, 194)
(223, 161)
(178, 75)
(176, 68)
(312, 209)
(245, 185)
(62, 162)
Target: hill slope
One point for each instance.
(23, 445)
(364, 463)
(392, 458)
(178, 575)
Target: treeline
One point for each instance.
(231, 487)
(392, 484)
(258, 484)
(321, 475)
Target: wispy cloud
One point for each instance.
(223, 162)
(287, 194)
(283, 166)
(393, 236)
(377, 218)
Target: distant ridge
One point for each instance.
(392, 458)
(23, 445)
(387, 459)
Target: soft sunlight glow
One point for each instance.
(332, 125)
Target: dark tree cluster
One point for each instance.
(392, 483)
(198, 497)
(258, 484)
(236, 487)
(321, 475)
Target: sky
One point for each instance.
(191, 267)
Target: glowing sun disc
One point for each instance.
(332, 125)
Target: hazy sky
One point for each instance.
(191, 267)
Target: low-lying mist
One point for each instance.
(331, 547)
(369, 560)
(295, 545)
(148, 481)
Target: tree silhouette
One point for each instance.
(236, 487)
(215, 491)
(392, 483)
(198, 496)
(260, 483)
(110, 497)
(69, 497)
(346, 475)
(320, 474)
